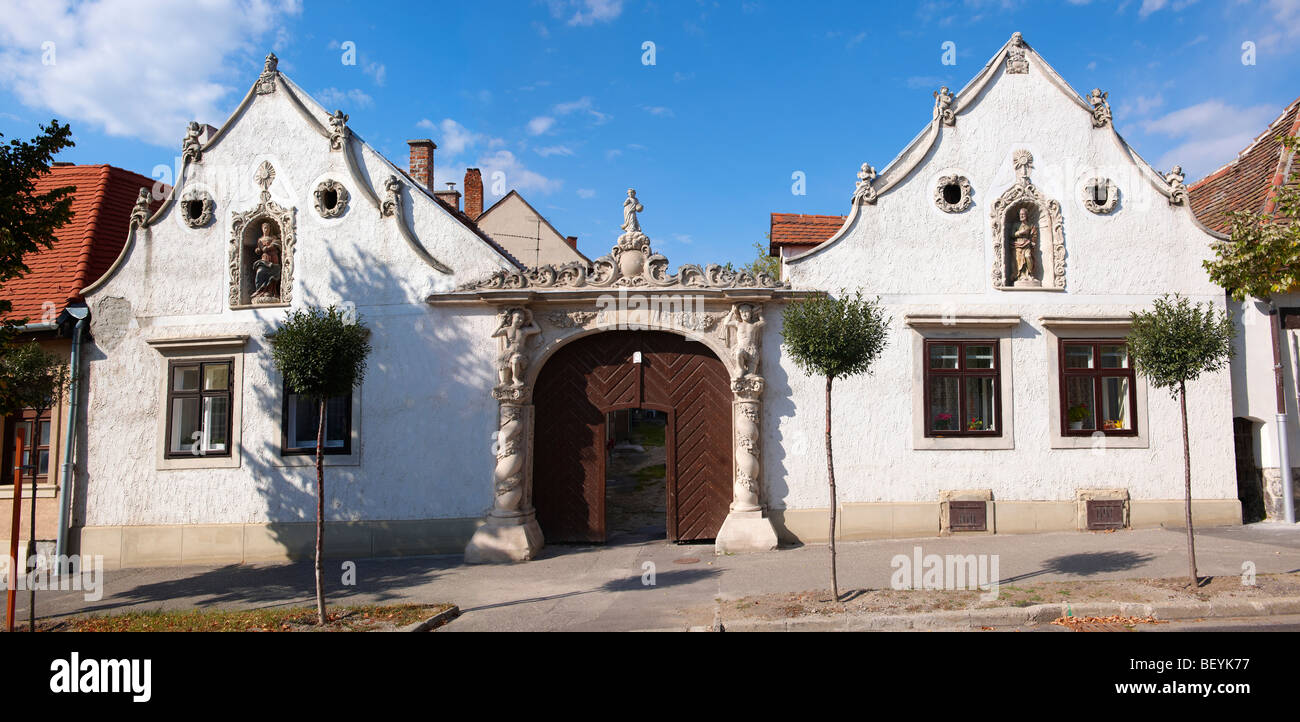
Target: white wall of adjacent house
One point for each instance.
(921, 260)
(426, 410)
(522, 231)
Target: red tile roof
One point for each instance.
(84, 247)
(1250, 182)
(797, 229)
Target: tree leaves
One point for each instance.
(320, 352)
(835, 337)
(33, 378)
(1177, 341)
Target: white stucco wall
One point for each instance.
(921, 260)
(426, 416)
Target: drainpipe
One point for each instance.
(82, 314)
(1284, 453)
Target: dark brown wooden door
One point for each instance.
(595, 375)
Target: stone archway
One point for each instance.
(542, 310)
(616, 370)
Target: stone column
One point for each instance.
(747, 527)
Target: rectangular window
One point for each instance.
(962, 397)
(302, 419)
(1098, 388)
(34, 456)
(198, 408)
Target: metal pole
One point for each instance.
(1284, 455)
(69, 442)
(14, 528)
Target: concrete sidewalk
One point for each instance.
(593, 588)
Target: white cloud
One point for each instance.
(658, 110)
(540, 124)
(583, 105)
(459, 147)
(1151, 6)
(587, 12)
(137, 68)
(1208, 134)
(516, 175)
(551, 150)
(335, 98)
(612, 153)
(586, 193)
(378, 71)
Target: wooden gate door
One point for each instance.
(594, 375)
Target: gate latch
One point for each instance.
(636, 357)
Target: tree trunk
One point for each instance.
(830, 476)
(31, 537)
(1187, 485)
(320, 516)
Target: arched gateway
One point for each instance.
(576, 341)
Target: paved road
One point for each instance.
(600, 588)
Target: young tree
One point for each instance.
(1261, 259)
(28, 219)
(37, 381)
(321, 353)
(1171, 345)
(762, 263)
(835, 338)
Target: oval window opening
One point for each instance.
(331, 199)
(194, 208)
(1099, 194)
(952, 194)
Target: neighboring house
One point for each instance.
(1250, 183)
(49, 298)
(794, 233)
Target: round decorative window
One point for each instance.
(196, 208)
(331, 199)
(1100, 195)
(952, 194)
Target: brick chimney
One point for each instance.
(572, 241)
(450, 197)
(421, 161)
(473, 193)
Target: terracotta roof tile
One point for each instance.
(797, 229)
(86, 246)
(1247, 183)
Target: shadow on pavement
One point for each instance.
(1086, 565)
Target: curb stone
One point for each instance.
(1021, 616)
(445, 615)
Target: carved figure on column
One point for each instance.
(507, 477)
(748, 325)
(747, 484)
(515, 328)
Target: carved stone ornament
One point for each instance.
(1090, 195)
(516, 328)
(630, 263)
(200, 201)
(744, 327)
(748, 465)
(864, 193)
(392, 197)
(571, 319)
(963, 202)
(943, 107)
(1017, 63)
(140, 211)
(266, 82)
(1016, 217)
(338, 124)
(1177, 189)
(191, 149)
(262, 241)
(1100, 108)
(321, 195)
(508, 475)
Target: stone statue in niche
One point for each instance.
(266, 267)
(1024, 238)
(747, 322)
(515, 328)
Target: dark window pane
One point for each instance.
(184, 423)
(216, 416)
(185, 378)
(945, 414)
(45, 432)
(1078, 400)
(1078, 357)
(979, 402)
(43, 461)
(1114, 357)
(216, 377)
(943, 356)
(1114, 404)
(979, 356)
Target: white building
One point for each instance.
(482, 419)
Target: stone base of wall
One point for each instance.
(1271, 481)
(905, 520)
(141, 546)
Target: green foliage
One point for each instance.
(1262, 256)
(762, 263)
(29, 219)
(1178, 341)
(835, 337)
(320, 352)
(36, 379)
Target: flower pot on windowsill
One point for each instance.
(1076, 426)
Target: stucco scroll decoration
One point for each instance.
(200, 201)
(1017, 63)
(266, 81)
(322, 196)
(262, 241)
(964, 199)
(1090, 193)
(631, 263)
(864, 193)
(1177, 189)
(515, 328)
(191, 149)
(943, 111)
(1016, 218)
(571, 319)
(338, 125)
(1100, 108)
(140, 211)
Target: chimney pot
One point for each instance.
(421, 161)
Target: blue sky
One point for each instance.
(555, 94)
